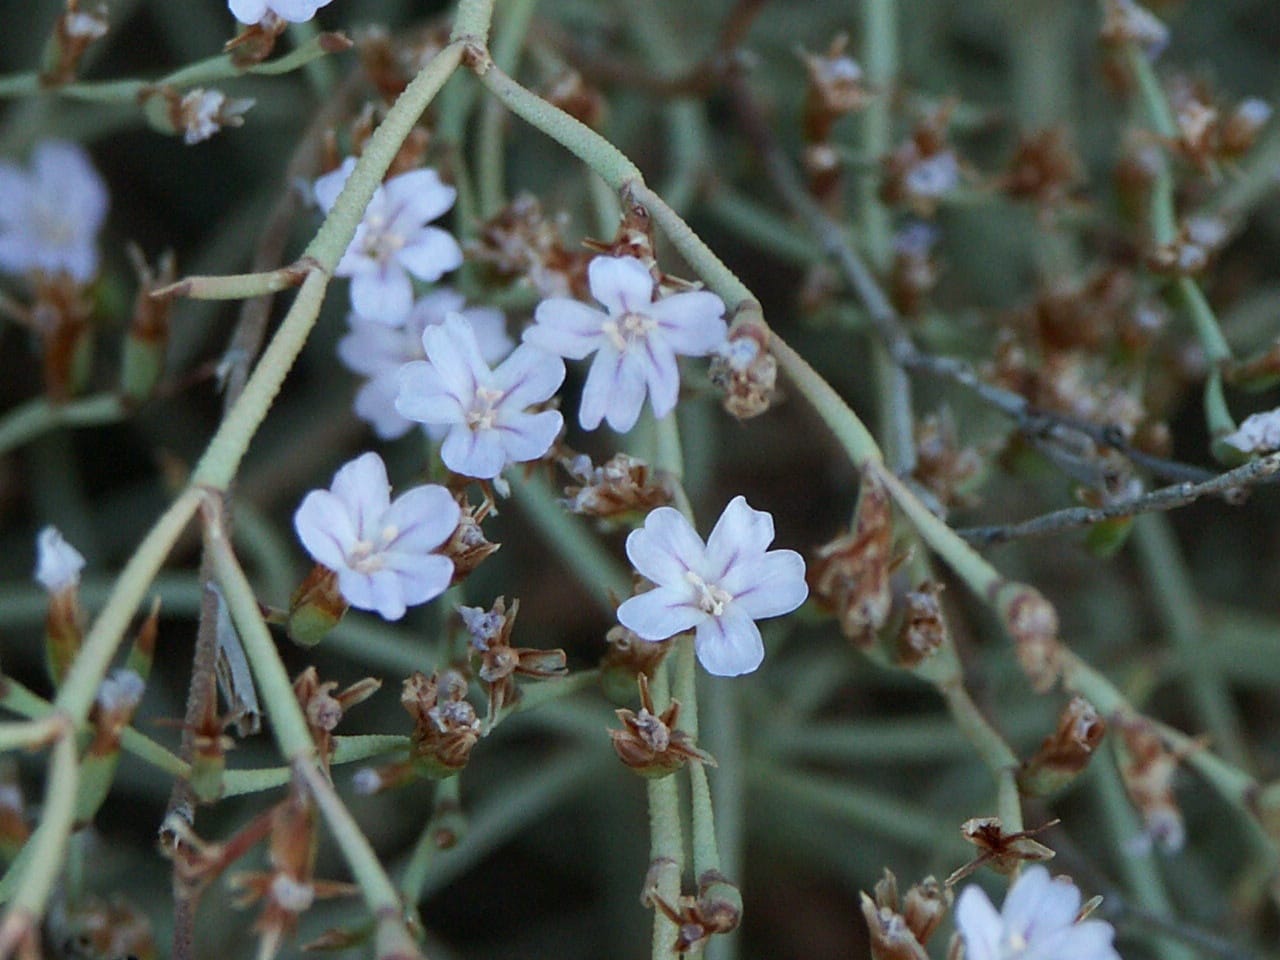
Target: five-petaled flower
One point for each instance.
(485, 410)
(635, 339)
(382, 550)
(378, 351)
(50, 216)
(394, 240)
(1037, 922)
(295, 11)
(718, 588)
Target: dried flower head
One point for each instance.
(324, 709)
(900, 928)
(1066, 752)
(651, 743)
(836, 87)
(744, 370)
(716, 909)
(468, 546)
(1032, 622)
(499, 663)
(915, 272)
(924, 168)
(572, 94)
(1044, 169)
(445, 726)
(1004, 852)
(621, 486)
(942, 466)
(850, 574)
(523, 243)
(1199, 239)
(1240, 130)
(924, 628)
(96, 929)
(1258, 433)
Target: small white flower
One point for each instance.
(394, 241)
(58, 564)
(1259, 433)
(636, 340)
(485, 410)
(295, 11)
(204, 112)
(1037, 922)
(378, 351)
(50, 216)
(720, 588)
(382, 550)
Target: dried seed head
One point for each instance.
(467, 546)
(628, 657)
(716, 909)
(621, 487)
(1004, 852)
(1032, 622)
(924, 168)
(744, 369)
(942, 466)
(94, 927)
(652, 744)
(446, 727)
(1044, 169)
(1199, 239)
(521, 243)
(925, 907)
(891, 938)
(1066, 752)
(850, 575)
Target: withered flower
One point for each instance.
(942, 466)
(836, 87)
(467, 546)
(1125, 21)
(716, 909)
(499, 663)
(914, 273)
(445, 724)
(1199, 239)
(1003, 851)
(1044, 169)
(1147, 768)
(523, 243)
(1032, 622)
(324, 709)
(900, 929)
(652, 744)
(924, 168)
(744, 369)
(289, 888)
(1064, 753)
(617, 488)
(850, 575)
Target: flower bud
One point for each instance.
(73, 32)
(58, 566)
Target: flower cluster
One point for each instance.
(50, 215)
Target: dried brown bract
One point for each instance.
(254, 43)
(899, 928)
(850, 575)
(628, 656)
(1066, 752)
(1147, 768)
(522, 243)
(1004, 852)
(836, 88)
(1032, 623)
(620, 487)
(651, 743)
(744, 369)
(942, 466)
(716, 909)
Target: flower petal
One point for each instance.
(768, 586)
(1037, 903)
(528, 436)
(473, 453)
(567, 327)
(384, 293)
(423, 518)
(452, 349)
(418, 197)
(659, 614)
(378, 591)
(324, 526)
(661, 374)
(666, 548)
(330, 185)
(614, 391)
(621, 284)
(431, 254)
(741, 533)
(421, 579)
(530, 375)
(979, 924)
(693, 322)
(365, 491)
(422, 396)
(729, 645)
(375, 404)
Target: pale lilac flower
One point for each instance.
(394, 241)
(720, 588)
(50, 215)
(378, 351)
(635, 339)
(382, 550)
(1037, 922)
(485, 410)
(58, 564)
(1259, 433)
(295, 11)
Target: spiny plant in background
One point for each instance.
(468, 315)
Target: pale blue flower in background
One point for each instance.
(295, 11)
(58, 563)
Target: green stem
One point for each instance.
(666, 840)
(447, 811)
(35, 417)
